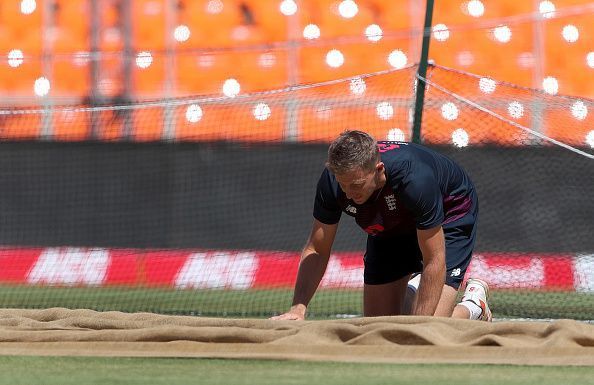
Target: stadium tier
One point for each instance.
(211, 221)
(163, 48)
(162, 155)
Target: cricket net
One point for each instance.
(201, 205)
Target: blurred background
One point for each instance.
(98, 52)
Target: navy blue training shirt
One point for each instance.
(423, 189)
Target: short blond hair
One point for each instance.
(352, 149)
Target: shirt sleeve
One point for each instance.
(422, 196)
(326, 207)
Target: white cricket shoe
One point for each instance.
(477, 291)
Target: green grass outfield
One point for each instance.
(263, 303)
(148, 371)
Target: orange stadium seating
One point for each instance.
(148, 24)
(230, 122)
(247, 40)
(20, 127)
(73, 15)
(332, 24)
(147, 124)
(276, 26)
(20, 23)
(70, 125)
(149, 81)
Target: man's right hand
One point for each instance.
(296, 313)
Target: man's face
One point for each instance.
(360, 184)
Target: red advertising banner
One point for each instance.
(246, 269)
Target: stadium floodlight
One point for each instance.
(374, 32)
(231, 88)
(334, 58)
(547, 9)
(475, 8)
(261, 111)
(579, 110)
(311, 32)
(194, 113)
(515, 110)
(288, 7)
(357, 86)
(144, 59)
(348, 9)
(502, 33)
(397, 59)
(460, 137)
(42, 86)
(384, 110)
(28, 6)
(570, 33)
(441, 32)
(181, 33)
(396, 134)
(449, 111)
(550, 85)
(487, 85)
(15, 58)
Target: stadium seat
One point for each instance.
(332, 24)
(22, 78)
(392, 15)
(257, 120)
(31, 42)
(262, 70)
(279, 27)
(149, 24)
(110, 126)
(204, 73)
(109, 13)
(231, 121)
(73, 15)
(211, 22)
(209, 122)
(376, 55)
(451, 12)
(147, 124)
(561, 125)
(70, 77)
(480, 127)
(70, 125)
(323, 122)
(68, 41)
(224, 37)
(111, 40)
(20, 127)
(149, 82)
(313, 66)
(21, 23)
(567, 60)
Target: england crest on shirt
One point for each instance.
(391, 202)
